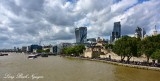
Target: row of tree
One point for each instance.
(131, 46)
(74, 50)
(43, 51)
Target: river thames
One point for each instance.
(17, 67)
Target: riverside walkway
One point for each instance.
(117, 62)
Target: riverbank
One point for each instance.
(119, 64)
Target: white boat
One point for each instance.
(32, 56)
(3, 54)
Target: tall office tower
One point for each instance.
(155, 31)
(116, 31)
(138, 32)
(77, 35)
(143, 33)
(81, 35)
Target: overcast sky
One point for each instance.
(26, 22)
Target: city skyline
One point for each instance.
(26, 22)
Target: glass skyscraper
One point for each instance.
(116, 31)
(140, 32)
(81, 35)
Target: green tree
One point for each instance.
(108, 46)
(119, 47)
(40, 51)
(79, 49)
(139, 44)
(68, 51)
(126, 47)
(47, 50)
(147, 48)
(75, 50)
(156, 55)
(149, 45)
(132, 47)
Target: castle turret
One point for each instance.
(155, 31)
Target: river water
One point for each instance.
(16, 67)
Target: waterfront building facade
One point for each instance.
(54, 49)
(57, 49)
(96, 50)
(81, 35)
(24, 48)
(46, 47)
(28, 48)
(33, 48)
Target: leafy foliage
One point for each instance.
(74, 51)
(131, 46)
(156, 54)
(149, 45)
(108, 46)
(45, 51)
(126, 47)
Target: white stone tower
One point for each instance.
(155, 31)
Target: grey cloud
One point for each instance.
(55, 20)
(60, 16)
(3, 38)
(11, 6)
(63, 34)
(34, 5)
(142, 16)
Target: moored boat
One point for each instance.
(32, 56)
(44, 55)
(3, 54)
(38, 54)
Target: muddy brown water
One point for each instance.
(17, 67)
